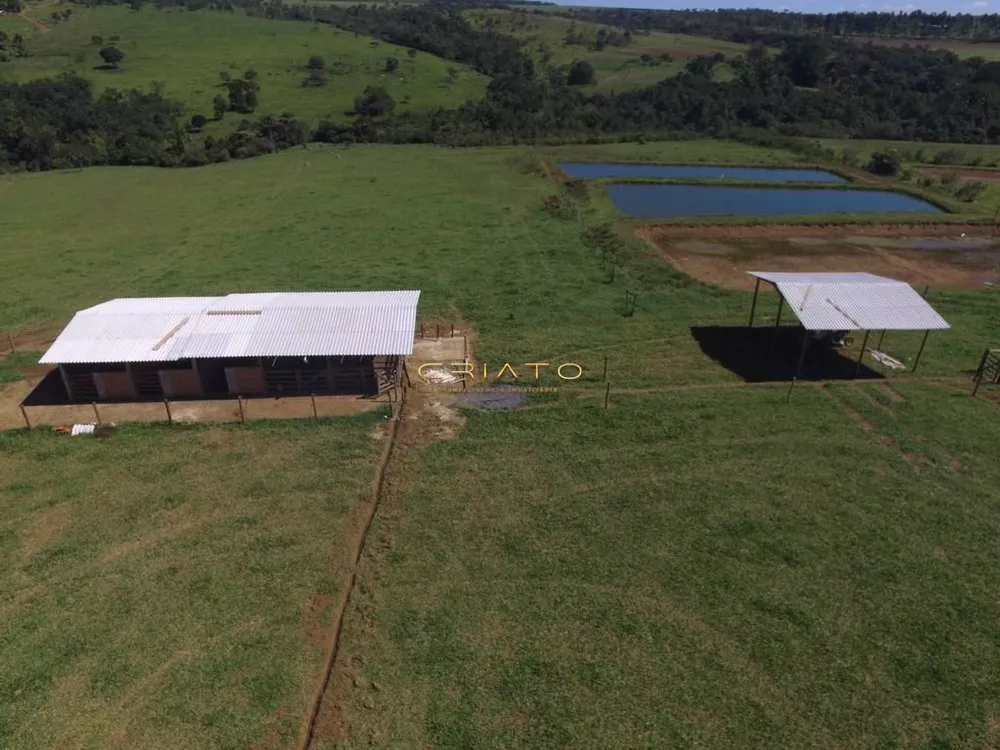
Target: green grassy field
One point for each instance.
(187, 51)
(700, 565)
(171, 587)
(966, 49)
(615, 67)
(918, 152)
(692, 569)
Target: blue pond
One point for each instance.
(594, 171)
(668, 201)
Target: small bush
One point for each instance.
(947, 156)
(885, 164)
(559, 205)
(969, 192)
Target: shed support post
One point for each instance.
(24, 414)
(921, 351)
(753, 305)
(861, 354)
(880, 339)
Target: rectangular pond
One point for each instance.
(672, 201)
(593, 171)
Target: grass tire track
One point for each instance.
(333, 649)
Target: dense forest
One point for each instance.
(815, 87)
(766, 25)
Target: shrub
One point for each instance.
(968, 192)
(581, 73)
(884, 163)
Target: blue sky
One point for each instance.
(809, 6)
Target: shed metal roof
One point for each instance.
(853, 302)
(278, 324)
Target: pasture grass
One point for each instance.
(615, 67)
(170, 587)
(701, 564)
(918, 152)
(695, 569)
(186, 51)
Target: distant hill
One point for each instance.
(621, 60)
(187, 51)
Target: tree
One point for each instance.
(242, 96)
(251, 77)
(316, 63)
(804, 59)
(581, 73)
(374, 102)
(316, 77)
(391, 65)
(198, 121)
(884, 163)
(219, 107)
(411, 53)
(97, 41)
(112, 56)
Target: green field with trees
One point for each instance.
(190, 53)
(620, 59)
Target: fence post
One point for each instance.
(605, 378)
(979, 370)
(312, 396)
(453, 330)
(607, 395)
(239, 400)
(170, 417)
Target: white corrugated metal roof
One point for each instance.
(853, 302)
(278, 324)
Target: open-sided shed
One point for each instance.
(268, 344)
(834, 302)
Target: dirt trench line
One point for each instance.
(307, 731)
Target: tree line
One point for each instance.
(754, 25)
(814, 87)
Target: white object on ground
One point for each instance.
(886, 360)
(82, 429)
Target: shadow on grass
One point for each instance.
(761, 355)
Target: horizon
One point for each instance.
(968, 7)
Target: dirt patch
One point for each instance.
(889, 393)
(956, 266)
(47, 527)
(445, 421)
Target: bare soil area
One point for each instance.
(723, 257)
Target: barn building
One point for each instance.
(267, 344)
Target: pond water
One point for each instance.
(589, 171)
(669, 201)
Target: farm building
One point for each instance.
(829, 305)
(268, 344)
